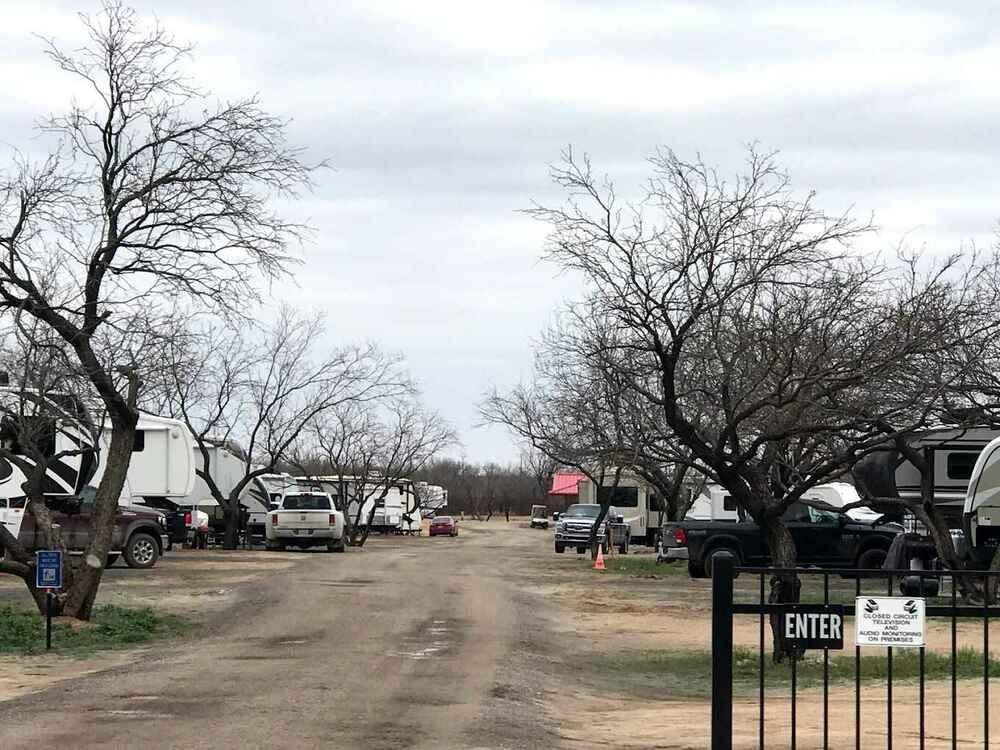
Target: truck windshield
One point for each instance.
(306, 502)
(582, 511)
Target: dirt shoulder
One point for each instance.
(203, 587)
(638, 672)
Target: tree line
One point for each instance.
(730, 329)
(136, 257)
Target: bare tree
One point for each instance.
(261, 387)
(540, 468)
(737, 313)
(152, 194)
(379, 445)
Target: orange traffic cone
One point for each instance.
(599, 562)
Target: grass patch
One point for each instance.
(644, 566)
(23, 632)
(688, 674)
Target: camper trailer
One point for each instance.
(433, 498)
(161, 465)
(635, 498)
(981, 510)
(952, 455)
(395, 513)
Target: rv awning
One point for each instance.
(566, 484)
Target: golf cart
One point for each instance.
(539, 517)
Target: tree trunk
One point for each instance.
(231, 533)
(77, 599)
(785, 587)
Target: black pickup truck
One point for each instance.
(822, 538)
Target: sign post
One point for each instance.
(48, 576)
(896, 621)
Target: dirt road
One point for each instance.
(410, 643)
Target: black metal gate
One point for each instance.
(945, 667)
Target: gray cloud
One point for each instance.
(441, 118)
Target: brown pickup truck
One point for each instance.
(140, 534)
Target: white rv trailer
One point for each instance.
(637, 500)
(952, 455)
(715, 504)
(160, 466)
(981, 511)
(433, 498)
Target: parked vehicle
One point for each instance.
(539, 517)
(576, 522)
(636, 500)
(822, 538)
(305, 519)
(160, 468)
(981, 512)
(139, 535)
(444, 525)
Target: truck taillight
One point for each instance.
(680, 537)
(274, 519)
(333, 519)
(187, 519)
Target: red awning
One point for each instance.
(566, 484)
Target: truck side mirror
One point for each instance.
(619, 518)
(555, 516)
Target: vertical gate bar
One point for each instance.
(888, 681)
(921, 698)
(923, 581)
(986, 661)
(761, 667)
(722, 652)
(954, 670)
(857, 679)
(826, 672)
(795, 662)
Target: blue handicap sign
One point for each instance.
(48, 569)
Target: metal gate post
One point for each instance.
(722, 651)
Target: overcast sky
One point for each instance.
(440, 119)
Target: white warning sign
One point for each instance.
(889, 621)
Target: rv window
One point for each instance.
(960, 464)
(620, 497)
(18, 502)
(139, 441)
(728, 503)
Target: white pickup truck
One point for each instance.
(305, 519)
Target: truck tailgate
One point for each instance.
(304, 519)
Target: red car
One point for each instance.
(444, 525)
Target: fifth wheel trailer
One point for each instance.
(981, 511)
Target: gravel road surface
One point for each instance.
(408, 643)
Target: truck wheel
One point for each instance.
(112, 559)
(869, 560)
(141, 551)
(715, 553)
(696, 570)
(560, 548)
(274, 547)
(340, 546)
(623, 547)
